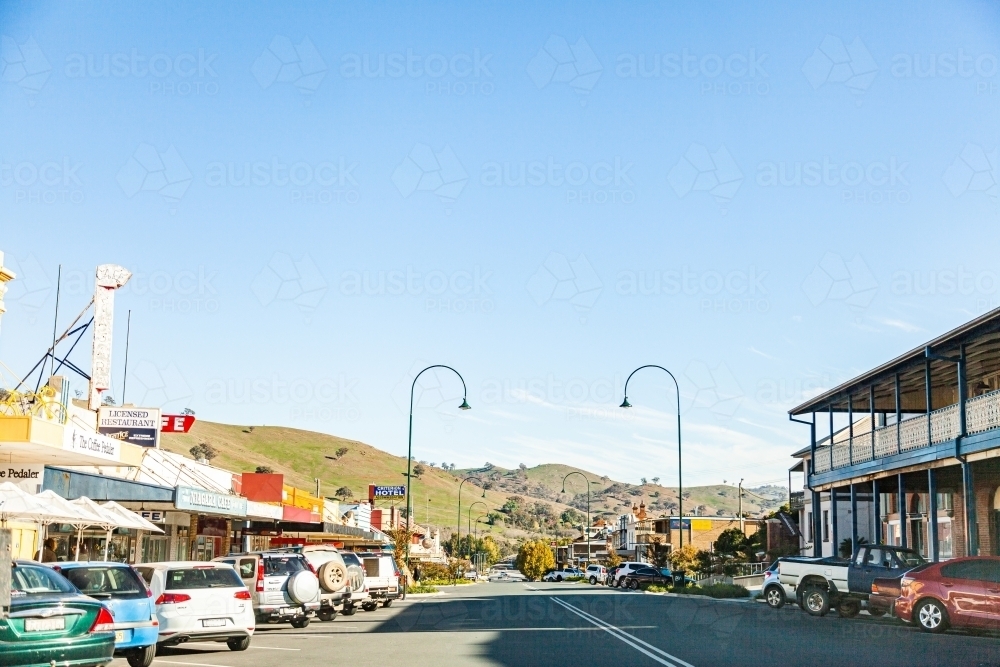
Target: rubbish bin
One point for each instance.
(678, 578)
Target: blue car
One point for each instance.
(123, 591)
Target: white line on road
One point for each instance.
(196, 664)
(530, 588)
(275, 648)
(623, 636)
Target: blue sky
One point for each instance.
(318, 201)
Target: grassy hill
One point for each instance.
(301, 457)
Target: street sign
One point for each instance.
(176, 423)
(137, 426)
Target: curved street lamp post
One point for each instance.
(680, 483)
(409, 447)
(586, 530)
(458, 523)
(469, 531)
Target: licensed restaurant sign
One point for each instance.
(137, 426)
(209, 502)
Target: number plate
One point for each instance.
(119, 636)
(44, 624)
(213, 622)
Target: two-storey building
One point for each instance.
(908, 453)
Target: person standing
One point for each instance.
(48, 552)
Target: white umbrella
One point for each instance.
(133, 519)
(104, 518)
(64, 512)
(18, 504)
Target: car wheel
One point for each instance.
(326, 615)
(876, 612)
(370, 606)
(593, 580)
(301, 622)
(558, 577)
(349, 610)
(931, 616)
(387, 603)
(816, 602)
(634, 584)
(849, 608)
(774, 596)
(143, 656)
(239, 643)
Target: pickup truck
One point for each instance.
(821, 584)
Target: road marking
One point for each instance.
(530, 588)
(196, 664)
(275, 648)
(625, 637)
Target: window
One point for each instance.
(116, 582)
(283, 565)
(826, 525)
(944, 502)
(202, 577)
(945, 539)
(33, 580)
(970, 569)
(248, 568)
(809, 523)
(146, 573)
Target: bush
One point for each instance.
(717, 591)
(534, 558)
(422, 588)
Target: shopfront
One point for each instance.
(211, 514)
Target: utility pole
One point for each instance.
(742, 529)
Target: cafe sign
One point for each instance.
(92, 444)
(209, 502)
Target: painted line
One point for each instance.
(621, 635)
(275, 648)
(530, 588)
(196, 664)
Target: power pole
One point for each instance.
(742, 528)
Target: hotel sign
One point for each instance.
(375, 492)
(137, 426)
(209, 502)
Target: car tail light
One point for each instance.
(311, 568)
(172, 598)
(242, 595)
(104, 622)
(260, 577)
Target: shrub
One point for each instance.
(422, 588)
(534, 558)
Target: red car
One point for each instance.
(960, 593)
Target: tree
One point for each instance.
(491, 552)
(187, 411)
(534, 558)
(643, 480)
(658, 554)
(108, 400)
(343, 493)
(203, 451)
(341, 452)
(731, 542)
(689, 560)
(613, 559)
(400, 538)
(656, 480)
(419, 470)
(264, 470)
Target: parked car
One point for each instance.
(359, 591)
(774, 592)
(624, 569)
(648, 575)
(506, 575)
(596, 574)
(121, 588)
(381, 580)
(959, 593)
(50, 622)
(611, 579)
(821, 584)
(282, 585)
(200, 601)
(559, 575)
(333, 576)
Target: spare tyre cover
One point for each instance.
(332, 576)
(303, 587)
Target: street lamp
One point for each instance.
(586, 531)
(469, 531)
(680, 483)
(458, 523)
(409, 447)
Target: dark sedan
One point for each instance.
(648, 575)
(50, 622)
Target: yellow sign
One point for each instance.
(701, 524)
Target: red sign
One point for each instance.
(176, 423)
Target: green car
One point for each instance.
(50, 622)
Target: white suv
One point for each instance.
(596, 574)
(199, 602)
(626, 569)
(381, 579)
(282, 584)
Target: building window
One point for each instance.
(809, 522)
(892, 535)
(944, 502)
(826, 525)
(945, 541)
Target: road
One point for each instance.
(515, 624)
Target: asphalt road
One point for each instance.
(515, 624)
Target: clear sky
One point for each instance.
(318, 200)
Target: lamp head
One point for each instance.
(465, 405)
(625, 403)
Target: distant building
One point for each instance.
(636, 531)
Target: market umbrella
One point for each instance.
(70, 513)
(133, 519)
(16, 503)
(104, 518)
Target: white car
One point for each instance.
(559, 575)
(506, 575)
(382, 580)
(626, 569)
(596, 574)
(200, 602)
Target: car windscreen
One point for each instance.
(36, 580)
(103, 581)
(910, 558)
(202, 577)
(350, 558)
(279, 565)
